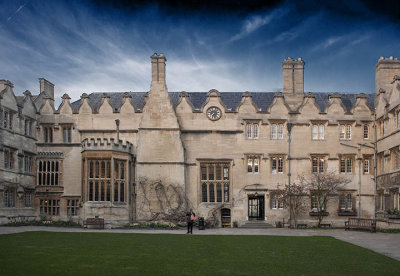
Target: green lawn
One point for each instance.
(44, 253)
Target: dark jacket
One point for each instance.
(188, 214)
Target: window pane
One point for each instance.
(226, 192)
(212, 194)
(273, 165)
(226, 173)
(280, 131)
(249, 165)
(273, 131)
(255, 130)
(315, 165)
(256, 164)
(280, 165)
(321, 131)
(219, 192)
(211, 172)
(204, 192)
(218, 171)
(315, 132)
(321, 165)
(248, 130)
(203, 173)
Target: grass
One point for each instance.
(49, 253)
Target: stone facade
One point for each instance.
(136, 156)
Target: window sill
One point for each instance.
(316, 214)
(347, 213)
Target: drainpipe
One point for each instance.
(359, 181)
(117, 123)
(289, 129)
(375, 166)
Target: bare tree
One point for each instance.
(293, 197)
(322, 187)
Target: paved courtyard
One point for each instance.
(385, 243)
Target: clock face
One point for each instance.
(214, 113)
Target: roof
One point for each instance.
(231, 99)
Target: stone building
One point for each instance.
(136, 156)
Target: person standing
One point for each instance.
(190, 219)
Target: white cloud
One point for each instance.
(254, 22)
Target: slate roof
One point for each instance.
(231, 99)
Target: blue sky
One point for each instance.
(86, 46)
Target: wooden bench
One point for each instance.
(360, 224)
(99, 222)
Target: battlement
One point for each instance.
(106, 144)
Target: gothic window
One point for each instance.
(72, 207)
(28, 199)
(48, 134)
(50, 207)
(7, 119)
(214, 183)
(253, 164)
(67, 134)
(9, 158)
(48, 172)
(318, 164)
(277, 164)
(318, 132)
(346, 164)
(345, 132)
(9, 198)
(28, 163)
(396, 158)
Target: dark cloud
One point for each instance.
(210, 7)
(357, 9)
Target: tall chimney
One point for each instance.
(385, 70)
(47, 87)
(158, 68)
(293, 76)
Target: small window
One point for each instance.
(366, 131)
(67, 134)
(366, 166)
(346, 202)
(252, 131)
(318, 165)
(276, 202)
(253, 164)
(345, 132)
(318, 132)
(28, 199)
(346, 165)
(48, 134)
(9, 198)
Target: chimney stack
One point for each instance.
(293, 76)
(47, 87)
(385, 70)
(158, 68)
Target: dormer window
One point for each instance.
(318, 131)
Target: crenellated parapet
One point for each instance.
(106, 144)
